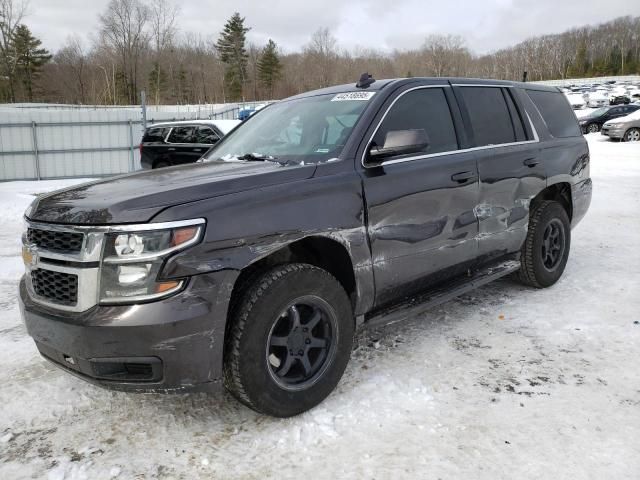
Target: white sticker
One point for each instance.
(348, 96)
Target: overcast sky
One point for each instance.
(382, 24)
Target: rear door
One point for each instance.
(509, 164)
(420, 207)
(180, 145)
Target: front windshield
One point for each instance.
(599, 111)
(304, 130)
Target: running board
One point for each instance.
(424, 301)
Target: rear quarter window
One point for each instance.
(556, 112)
(155, 134)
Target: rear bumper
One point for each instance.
(581, 199)
(173, 345)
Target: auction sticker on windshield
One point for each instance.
(342, 97)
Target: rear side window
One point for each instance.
(427, 109)
(557, 113)
(155, 134)
(181, 135)
(206, 135)
(489, 114)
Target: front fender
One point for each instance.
(245, 227)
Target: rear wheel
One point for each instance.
(546, 249)
(593, 128)
(632, 135)
(290, 340)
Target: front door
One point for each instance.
(420, 207)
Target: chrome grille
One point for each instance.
(56, 287)
(55, 241)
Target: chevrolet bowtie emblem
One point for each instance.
(29, 255)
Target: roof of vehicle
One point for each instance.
(224, 126)
(380, 84)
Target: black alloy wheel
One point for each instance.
(553, 244)
(289, 339)
(301, 342)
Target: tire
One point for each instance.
(632, 135)
(269, 338)
(543, 258)
(593, 128)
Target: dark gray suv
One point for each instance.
(351, 206)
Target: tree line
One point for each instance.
(140, 47)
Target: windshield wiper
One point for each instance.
(253, 157)
(258, 157)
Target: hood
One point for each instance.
(138, 197)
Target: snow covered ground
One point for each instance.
(506, 382)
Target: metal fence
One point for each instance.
(51, 141)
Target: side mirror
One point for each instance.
(398, 142)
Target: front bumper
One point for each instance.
(612, 132)
(171, 345)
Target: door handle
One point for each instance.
(531, 162)
(171, 149)
(197, 149)
(463, 177)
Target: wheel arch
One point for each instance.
(321, 251)
(559, 192)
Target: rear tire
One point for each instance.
(290, 340)
(632, 135)
(546, 249)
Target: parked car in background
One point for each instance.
(246, 112)
(626, 128)
(597, 99)
(593, 122)
(576, 100)
(619, 99)
(176, 143)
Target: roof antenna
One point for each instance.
(365, 80)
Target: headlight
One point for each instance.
(132, 261)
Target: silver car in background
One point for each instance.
(626, 128)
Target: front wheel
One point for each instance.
(290, 340)
(546, 248)
(593, 128)
(632, 135)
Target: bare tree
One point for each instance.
(163, 27)
(124, 25)
(73, 57)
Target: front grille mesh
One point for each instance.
(53, 241)
(57, 287)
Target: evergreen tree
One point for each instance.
(30, 58)
(231, 48)
(269, 66)
(580, 64)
